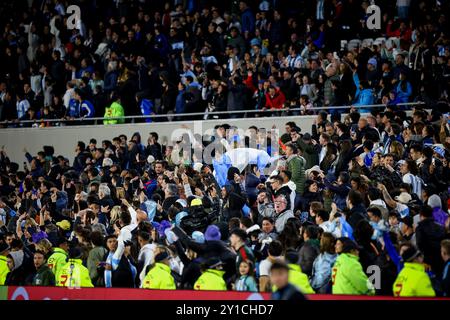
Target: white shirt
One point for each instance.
(125, 235)
(415, 182)
(264, 267)
(147, 255)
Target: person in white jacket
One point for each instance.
(286, 175)
(146, 255)
(127, 225)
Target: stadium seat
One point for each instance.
(379, 41)
(353, 44)
(367, 42)
(392, 41)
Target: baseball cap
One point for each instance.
(196, 202)
(349, 245)
(64, 224)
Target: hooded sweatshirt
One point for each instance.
(17, 256)
(438, 214)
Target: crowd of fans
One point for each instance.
(147, 57)
(335, 205)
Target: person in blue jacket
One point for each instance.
(403, 89)
(86, 107)
(364, 94)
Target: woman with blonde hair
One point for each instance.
(396, 148)
(45, 246)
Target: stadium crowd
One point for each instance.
(142, 57)
(363, 194)
(324, 211)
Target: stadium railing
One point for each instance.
(208, 115)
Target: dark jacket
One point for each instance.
(307, 254)
(309, 197)
(429, 235)
(210, 249)
(446, 279)
(191, 270)
(44, 277)
(290, 293)
(310, 153)
(356, 214)
(236, 97)
(122, 277)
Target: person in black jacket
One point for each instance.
(212, 247)
(192, 266)
(445, 254)
(124, 276)
(357, 210)
(154, 148)
(429, 235)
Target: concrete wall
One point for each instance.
(64, 139)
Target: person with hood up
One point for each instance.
(439, 215)
(212, 276)
(16, 276)
(364, 94)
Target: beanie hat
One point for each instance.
(198, 237)
(434, 201)
(212, 233)
(373, 62)
(161, 256)
(410, 254)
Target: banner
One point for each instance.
(60, 293)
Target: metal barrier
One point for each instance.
(95, 120)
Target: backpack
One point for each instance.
(196, 220)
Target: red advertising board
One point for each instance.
(58, 293)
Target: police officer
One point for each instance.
(4, 270)
(413, 281)
(212, 276)
(73, 274)
(159, 276)
(59, 256)
(296, 276)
